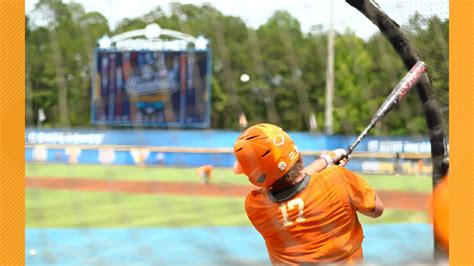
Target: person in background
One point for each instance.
(398, 164)
(205, 173)
(420, 166)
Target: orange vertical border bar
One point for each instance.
(12, 127)
(461, 116)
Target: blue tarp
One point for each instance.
(394, 244)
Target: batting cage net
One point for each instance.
(426, 26)
(131, 125)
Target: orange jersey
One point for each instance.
(317, 225)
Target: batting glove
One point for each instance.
(334, 156)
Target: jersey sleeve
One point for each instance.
(248, 207)
(361, 194)
(252, 213)
(256, 212)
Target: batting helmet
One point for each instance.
(265, 153)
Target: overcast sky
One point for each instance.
(255, 13)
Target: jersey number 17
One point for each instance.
(290, 205)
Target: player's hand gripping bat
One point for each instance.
(398, 93)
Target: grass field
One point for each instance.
(63, 208)
(60, 208)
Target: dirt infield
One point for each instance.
(391, 199)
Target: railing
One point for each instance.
(164, 149)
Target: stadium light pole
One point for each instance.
(330, 76)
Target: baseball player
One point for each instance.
(205, 173)
(305, 215)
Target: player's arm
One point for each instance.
(362, 195)
(315, 167)
(377, 211)
(326, 159)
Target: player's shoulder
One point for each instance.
(345, 175)
(256, 194)
(332, 172)
(255, 198)
(332, 175)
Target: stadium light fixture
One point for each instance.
(201, 43)
(152, 31)
(105, 42)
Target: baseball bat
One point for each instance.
(397, 94)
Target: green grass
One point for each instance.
(125, 172)
(61, 208)
(400, 183)
(396, 216)
(379, 182)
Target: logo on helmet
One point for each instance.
(278, 140)
(282, 166)
(292, 155)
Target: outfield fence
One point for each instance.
(367, 162)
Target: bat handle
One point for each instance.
(351, 147)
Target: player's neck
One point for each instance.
(282, 185)
(287, 193)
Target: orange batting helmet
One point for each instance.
(264, 153)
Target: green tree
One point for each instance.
(287, 67)
(430, 37)
(283, 45)
(59, 56)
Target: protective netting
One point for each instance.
(85, 207)
(401, 11)
(426, 25)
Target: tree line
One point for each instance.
(287, 67)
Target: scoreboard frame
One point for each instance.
(185, 52)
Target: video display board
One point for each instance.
(151, 88)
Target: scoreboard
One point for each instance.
(151, 88)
